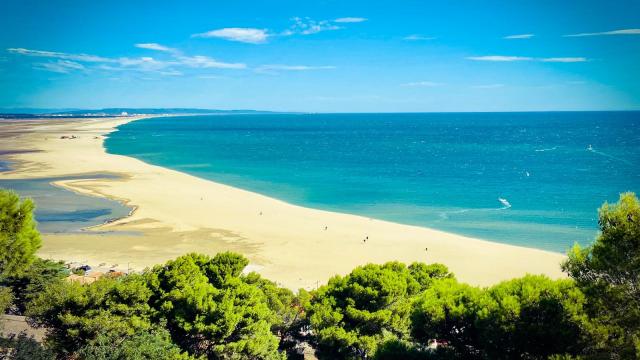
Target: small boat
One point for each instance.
(589, 148)
(504, 202)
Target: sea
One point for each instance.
(532, 179)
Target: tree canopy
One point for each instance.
(211, 310)
(76, 314)
(608, 272)
(19, 238)
(353, 314)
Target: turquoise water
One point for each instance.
(446, 171)
(62, 211)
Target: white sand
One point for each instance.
(178, 213)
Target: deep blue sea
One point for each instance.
(441, 170)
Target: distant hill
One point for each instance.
(121, 111)
(130, 111)
(34, 111)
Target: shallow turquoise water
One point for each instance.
(62, 211)
(445, 171)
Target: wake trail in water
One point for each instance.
(444, 215)
(592, 150)
(549, 149)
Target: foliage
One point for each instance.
(406, 350)
(609, 274)
(19, 239)
(352, 315)
(211, 310)
(426, 274)
(22, 347)
(146, 345)
(287, 307)
(6, 299)
(33, 281)
(76, 314)
(533, 317)
(449, 311)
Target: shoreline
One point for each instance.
(176, 213)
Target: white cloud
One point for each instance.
(350, 20)
(246, 35)
(564, 59)
(416, 37)
(488, 86)
(300, 26)
(613, 32)
(154, 46)
(520, 36)
(500, 58)
(307, 26)
(170, 66)
(422, 84)
(60, 66)
(145, 62)
(206, 62)
(59, 55)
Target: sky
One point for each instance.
(322, 56)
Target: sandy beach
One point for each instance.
(176, 213)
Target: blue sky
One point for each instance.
(324, 56)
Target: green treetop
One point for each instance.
(609, 274)
(354, 314)
(211, 310)
(19, 238)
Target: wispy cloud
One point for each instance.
(308, 26)
(416, 37)
(503, 58)
(519, 36)
(60, 66)
(421, 84)
(564, 59)
(350, 20)
(488, 86)
(500, 58)
(171, 65)
(154, 46)
(59, 55)
(206, 62)
(245, 35)
(299, 26)
(613, 32)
